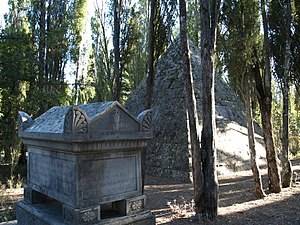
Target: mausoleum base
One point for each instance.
(50, 214)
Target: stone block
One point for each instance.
(47, 214)
(82, 158)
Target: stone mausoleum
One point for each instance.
(168, 152)
(85, 166)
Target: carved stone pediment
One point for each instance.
(101, 117)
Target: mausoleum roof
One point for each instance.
(52, 121)
(82, 120)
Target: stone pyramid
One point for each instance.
(168, 154)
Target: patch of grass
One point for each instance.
(7, 211)
(7, 203)
(7, 214)
(182, 209)
(10, 181)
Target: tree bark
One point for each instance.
(207, 205)
(198, 179)
(116, 42)
(42, 43)
(266, 113)
(286, 164)
(150, 63)
(251, 140)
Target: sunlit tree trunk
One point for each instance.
(286, 164)
(251, 140)
(265, 101)
(198, 179)
(206, 206)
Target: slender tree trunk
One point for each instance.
(286, 164)
(198, 180)
(76, 83)
(251, 139)
(207, 205)
(116, 41)
(106, 63)
(266, 113)
(42, 43)
(107, 58)
(96, 61)
(196, 24)
(150, 63)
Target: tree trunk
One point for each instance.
(207, 205)
(286, 164)
(251, 139)
(116, 42)
(76, 83)
(150, 63)
(266, 113)
(42, 43)
(198, 180)
(196, 24)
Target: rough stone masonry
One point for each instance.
(168, 153)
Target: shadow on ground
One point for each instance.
(238, 204)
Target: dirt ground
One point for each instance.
(171, 202)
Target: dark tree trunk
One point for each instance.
(286, 164)
(116, 42)
(150, 63)
(76, 83)
(198, 179)
(251, 139)
(207, 205)
(42, 43)
(265, 101)
(107, 58)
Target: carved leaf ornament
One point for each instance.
(76, 121)
(136, 206)
(88, 216)
(145, 118)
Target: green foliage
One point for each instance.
(295, 45)
(240, 32)
(132, 50)
(294, 123)
(294, 120)
(8, 214)
(15, 72)
(277, 116)
(86, 93)
(38, 40)
(193, 21)
(277, 37)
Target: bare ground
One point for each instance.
(171, 202)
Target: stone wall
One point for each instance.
(168, 152)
